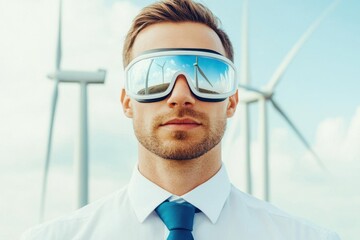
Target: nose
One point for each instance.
(181, 95)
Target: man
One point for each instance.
(180, 88)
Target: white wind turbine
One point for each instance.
(83, 78)
(251, 95)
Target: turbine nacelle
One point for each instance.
(79, 76)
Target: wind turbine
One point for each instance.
(83, 78)
(266, 94)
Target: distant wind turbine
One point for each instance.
(83, 78)
(252, 95)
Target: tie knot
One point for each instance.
(177, 216)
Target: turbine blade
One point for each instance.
(274, 80)
(59, 44)
(203, 74)
(48, 150)
(298, 133)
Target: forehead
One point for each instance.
(177, 35)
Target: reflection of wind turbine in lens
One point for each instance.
(252, 95)
(198, 69)
(162, 71)
(147, 78)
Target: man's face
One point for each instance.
(180, 127)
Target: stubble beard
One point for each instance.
(180, 145)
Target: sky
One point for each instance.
(319, 92)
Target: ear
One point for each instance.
(232, 104)
(126, 104)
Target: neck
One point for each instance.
(179, 176)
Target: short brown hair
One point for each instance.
(175, 11)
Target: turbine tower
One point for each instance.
(83, 78)
(244, 106)
(266, 94)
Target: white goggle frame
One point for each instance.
(134, 74)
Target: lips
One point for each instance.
(181, 123)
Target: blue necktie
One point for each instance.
(178, 218)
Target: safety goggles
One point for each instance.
(151, 76)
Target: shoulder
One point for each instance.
(274, 220)
(81, 220)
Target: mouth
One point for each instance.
(181, 124)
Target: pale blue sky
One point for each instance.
(319, 92)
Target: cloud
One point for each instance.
(334, 141)
(298, 184)
(316, 194)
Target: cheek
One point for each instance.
(139, 124)
(138, 117)
(137, 109)
(220, 111)
(142, 117)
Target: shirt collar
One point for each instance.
(145, 195)
(209, 197)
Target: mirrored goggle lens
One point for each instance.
(208, 77)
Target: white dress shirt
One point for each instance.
(226, 214)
